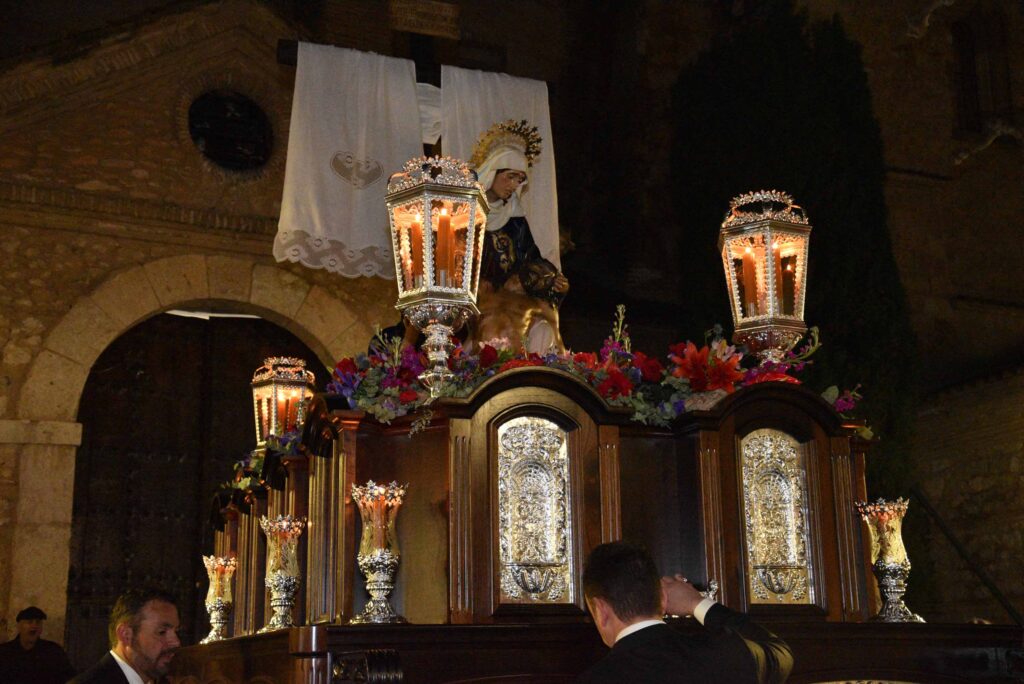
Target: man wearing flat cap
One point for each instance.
(30, 659)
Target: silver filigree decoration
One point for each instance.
(433, 170)
(779, 568)
(534, 520)
(763, 205)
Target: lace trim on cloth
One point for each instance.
(315, 251)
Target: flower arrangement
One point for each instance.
(248, 472)
(286, 444)
(385, 383)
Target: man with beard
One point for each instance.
(30, 659)
(143, 633)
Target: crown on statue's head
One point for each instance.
(519, 134)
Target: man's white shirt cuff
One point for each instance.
(702, 609)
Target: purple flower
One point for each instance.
(411, 360)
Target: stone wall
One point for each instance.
(969, 456)
(109, 215)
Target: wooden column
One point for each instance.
(331, 534)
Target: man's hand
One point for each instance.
(681, 597)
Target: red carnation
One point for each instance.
(773, 376)
(520, 363)
(346, 366)
(585, 359)
(650, 368)
(615, 385)
(488, 356)
(408, 396)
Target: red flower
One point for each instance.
(692, 364)
(346, 366)
(488, 356)
(586, 359)
(650, 368)
(521, 363)
(724, 374)
(408, 396)
(774, 376)
(704, 371)
(615, 385)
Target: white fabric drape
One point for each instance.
(472, 101)
(355, 120)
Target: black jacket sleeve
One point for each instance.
(772, 656)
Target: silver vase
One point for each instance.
(282, 600)
(890, 563)
(219, 610)
(378, 548)
(379, 567)
(892, 582)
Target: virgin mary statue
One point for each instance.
(520, 291)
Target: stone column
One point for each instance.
(37, 477)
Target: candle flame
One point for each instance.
(444, 212)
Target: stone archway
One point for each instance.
(42, 443)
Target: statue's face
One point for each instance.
(506, 182)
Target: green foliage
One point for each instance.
(782, 104)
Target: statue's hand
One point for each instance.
(561, 284)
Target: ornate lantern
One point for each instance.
(280, 389)
(764, 241)
(437, 213)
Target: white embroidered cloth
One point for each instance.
(471, 101)
(355, 120)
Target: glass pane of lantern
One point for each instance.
(461, 236)
(408, 220)
(443, 228)
(779, 565)
(748, 257)
(534, 520)
(480, 232)
(787, 262)
(261, 405)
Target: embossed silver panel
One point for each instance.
(774, 470)
(534, 515)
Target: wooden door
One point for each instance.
(166, 411)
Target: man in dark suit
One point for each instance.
(627, 601)
(143, 633)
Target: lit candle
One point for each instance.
(749, 282)
(416, 243)
(282, 417)
(789, 285)
(777, 272)
(443, 256)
